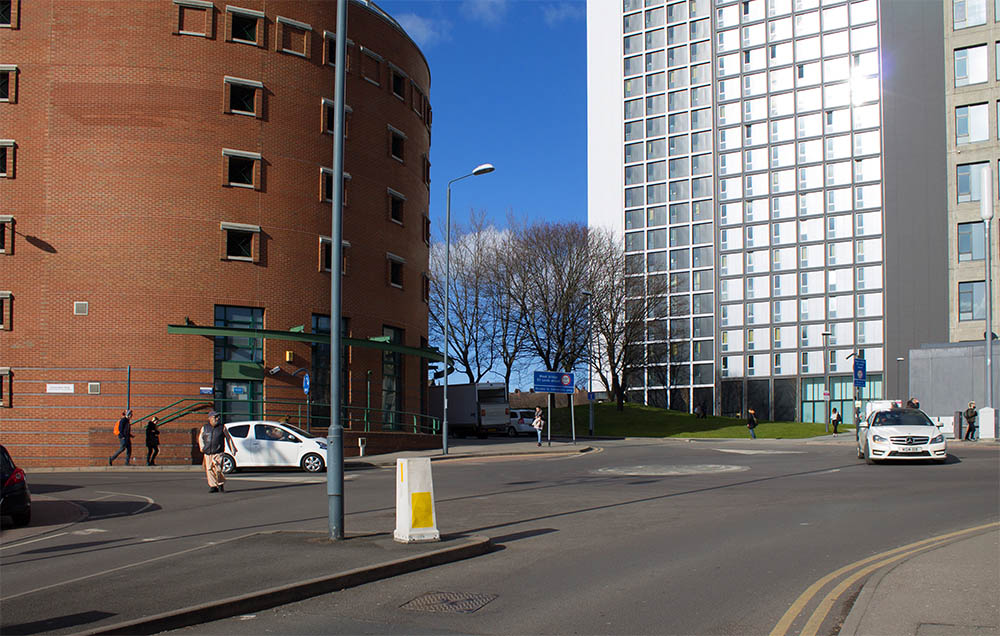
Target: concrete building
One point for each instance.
(781, 163)
(165, 186)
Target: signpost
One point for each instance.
(557, 382)
(860, 378)
(305, 389)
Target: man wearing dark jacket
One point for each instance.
(124, 438)
(213, 441)
(971, 414)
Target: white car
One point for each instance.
(262, 444)
(520, 422)
(900, 434)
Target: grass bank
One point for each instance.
(637, 420)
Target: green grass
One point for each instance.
(646, 421)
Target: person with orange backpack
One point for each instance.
(123, 429)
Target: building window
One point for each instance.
(325, 253)
(417, 100)
(8, 83)
(427, 230)
(972, 123)
(6, 13)
(6, 234)
(970, 181)
(240, 242)
(397, 143)
(396, 201)
(392, 378)
(244, 26)
(969, 13)
(194, 17)
(5, 386)
(328, 114)
(427, 169)
(971, 242)
(395, 269)
(970, 65)
(7, 158)
(326, 186)
(330, 51)
(371, 66)
(972, 300)
(5, 310)
(243, 96)
(425, 283)
(241, 169)
(399, 82)
(293, 37)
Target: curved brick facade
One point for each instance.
(132, 126)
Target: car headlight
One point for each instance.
(938, 439)
(879, 438)
(321, 445)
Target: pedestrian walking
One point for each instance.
(971, 415)
(152, 440)
(213, 441)
(836, 420)
(538, 423)
(123, 429)
(752, 422)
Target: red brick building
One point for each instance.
(168, 163)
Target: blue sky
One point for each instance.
(508, 87)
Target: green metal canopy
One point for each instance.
(299, 336)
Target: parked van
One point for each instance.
(473, 409)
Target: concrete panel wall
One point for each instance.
(946, 378)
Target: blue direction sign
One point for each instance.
(305, 384)
(860, 373)
(553, 382)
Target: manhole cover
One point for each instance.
(664, 471)
(454, 602)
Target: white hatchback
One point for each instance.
(520, 422)
(261, 444)
(900, 434)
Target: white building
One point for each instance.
(782, 163)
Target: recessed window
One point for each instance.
(398, 82)
(971, 65)
(195, 17)
(325, 253)
(7, 158)
(397, 143)
(971, 241)
(972, 300)
(969, 180)
(5, 386)
(417, 100)
(244, 26)
(426, 170)
(330, 50)
(326, 186)
(395, 264)
(6, 13)
(425, 283)
(972, 123)
(969, 13)
(243, 96)
(427, 230)
(293, 37)
(8, 83)
(241, 169)
(5, 298)
(328, 115)
(371, 66)
(396, 202)
(241, 242)
(6, 234)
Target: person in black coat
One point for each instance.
(152, 441)
(752, 422)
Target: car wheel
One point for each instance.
(228, 464)
(312, 463)
(22, 518)
(868, 456)
(511, 431)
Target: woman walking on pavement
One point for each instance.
(836, 420)
(539, 423)
(152, 441)
(752, 422)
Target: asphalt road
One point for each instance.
(644, 537)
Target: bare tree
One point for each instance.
(472, 329)
(621, 306)
(509, 328)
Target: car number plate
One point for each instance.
(911, 449)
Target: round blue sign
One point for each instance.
(305, 384)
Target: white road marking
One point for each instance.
(669, 471)
(19, 544)
(287, 479)
(740, 451)
(88, 531)
(123, 567)
(149, 502)
(156, 539)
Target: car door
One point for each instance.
(244, 441)
(277, 445)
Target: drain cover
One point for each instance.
(454, 602)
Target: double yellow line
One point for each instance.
(854, 572)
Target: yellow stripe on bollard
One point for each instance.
(415, 517)
(422, 507)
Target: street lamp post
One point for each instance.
(590, 359)
(480, 169)
(986, 211)
(899, 376)
(826, 382)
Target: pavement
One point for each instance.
(944, 588)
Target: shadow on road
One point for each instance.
(59, 622)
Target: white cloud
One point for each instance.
(424, 31)
(563, 12)
(485, 11)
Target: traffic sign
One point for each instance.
(305, 384)
(860, 372)
(553, 382)
(590, 395)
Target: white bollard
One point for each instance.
(415, 517)
(987, 423)
(361, 446)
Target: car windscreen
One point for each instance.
(296, 429)
(901, 418)
(493, 396)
